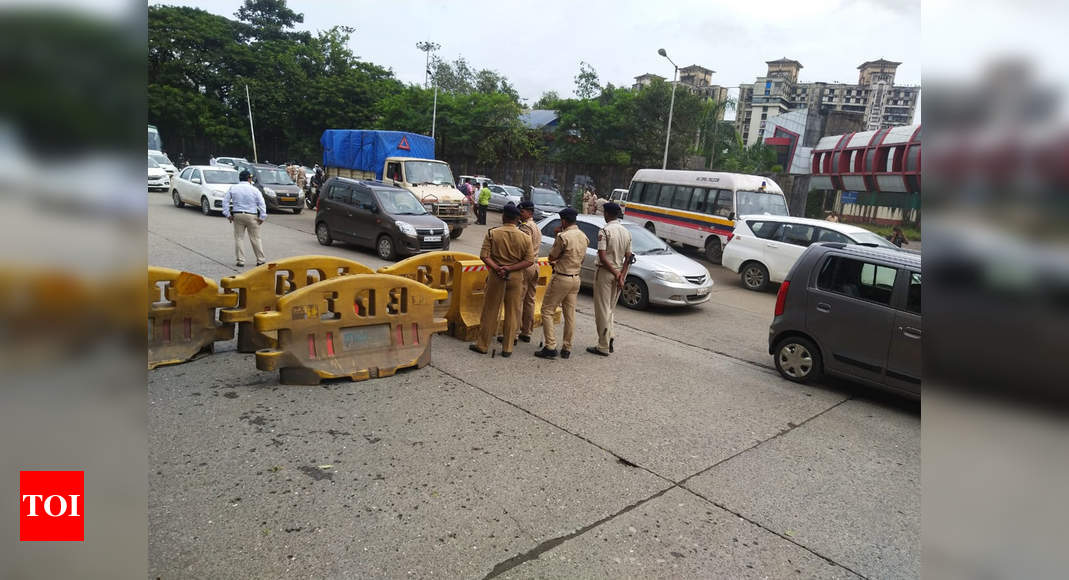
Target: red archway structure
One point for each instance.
(888, 160)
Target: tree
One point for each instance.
(459, 77)
(268, 18)
(548, 100)
(586, 82)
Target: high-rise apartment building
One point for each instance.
(875, 95)
(694, 78)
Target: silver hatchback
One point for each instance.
(660, 275)
(852, 311)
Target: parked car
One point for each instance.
(478, 180)
(500, 195)
(157, 176)
(275, 184)
(852, 311)
(231, 161)
(617, 195)
(386, 217)
(547, 202)
(763, 248)
(163, 161)
(660, 275)
(203, 186)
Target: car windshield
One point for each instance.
(217, 176)
(544, 197)
(512, 190)
(760, 202)
(274, 177)
(152, 163)
(872, 239)
(428, 172)
(160, 158)
(400, 202)
(643, 242)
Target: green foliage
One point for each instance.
(548, 100)
(458, 77)
(587, 85)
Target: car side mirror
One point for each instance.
(731, 216)
(371, 207)
(195, 180)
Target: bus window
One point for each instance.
(650, 193)
(636, 192)
(682, 197)
(697, 202)
(724, 204)
(665, 199)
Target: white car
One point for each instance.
(230, 161)
(501, 195)
(204, 186)
(763, 248)
(660, 275)
(164, 162)
(157, 176)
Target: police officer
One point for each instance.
(530, 275)
(567, 259)
(506, 251)
(614, 257)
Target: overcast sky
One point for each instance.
(538, 45)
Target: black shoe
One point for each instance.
(547, 353)
(260, 263)
(506, 354)
(240, 264)
(476, 349)
(565, 353)
(611, 340)
(594, 350)
(525, 338)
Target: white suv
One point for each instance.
(764, 247)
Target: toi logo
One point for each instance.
(51, 506)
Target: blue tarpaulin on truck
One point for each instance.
(367, 150)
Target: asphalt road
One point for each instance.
(682, 455)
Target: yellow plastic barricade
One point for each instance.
(434, 269)
(470, 291)
(259, 289)
(181, 315)
(359, 327)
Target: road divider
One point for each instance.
(181, 316)
(435, 269)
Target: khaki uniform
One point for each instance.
(588, 202)
(567, 253)
(507, 245)
(530, 277)
(615, 241)
(302, 178)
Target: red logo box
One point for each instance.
(52, 506)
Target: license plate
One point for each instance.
(702, 291)
(287, 199)
(432, 238)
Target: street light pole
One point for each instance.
(671, 106)
(429, 47)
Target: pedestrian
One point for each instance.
(566, 257)
(832, 217)
(599, 205)
(484, 202)
(505, 250)
(530, 275)
(212, 161)
(897, 237)
(588, 200)
(243, 206)
(302, 178)
(614, 259)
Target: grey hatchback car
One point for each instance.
(851, 311)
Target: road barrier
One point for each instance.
(466, 309)
(435, 269)
(356, 327)
(259, 289)
(181, 315)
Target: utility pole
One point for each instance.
(671, 105)
(427, 47)
(252, 131)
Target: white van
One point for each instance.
(698, 208)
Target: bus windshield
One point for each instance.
(154, 142)
(759, 202)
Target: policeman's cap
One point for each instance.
(612, 208)
(568, 214)
(526, 204)
(244, 175)
(511, 211)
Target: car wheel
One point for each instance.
(205, 206)
(177, 200)
(651, 228)
(714, 252)
(635, 294)
(384, 247)
(297, 210)
(323, 234)
(455, 233)
(798, 360)
(754, 276)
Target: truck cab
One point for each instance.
(432, 182)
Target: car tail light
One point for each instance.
(781, 297)
(731, 236)
(318, 199)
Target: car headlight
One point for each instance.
(406, 229)
(669, 277)
(446, 228)
(269, 191)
